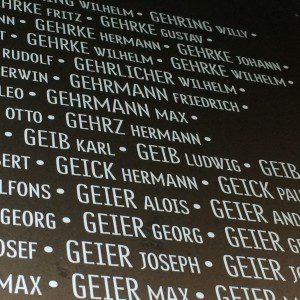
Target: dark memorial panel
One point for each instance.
(149, 150)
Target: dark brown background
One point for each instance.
(268, 130)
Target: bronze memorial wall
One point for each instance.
(149, 150)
